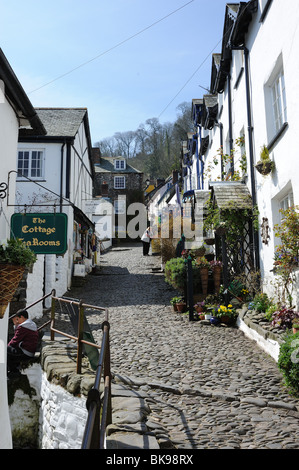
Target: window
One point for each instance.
(120, 206)
(120, 164)
(119, 182)
(31, 164)
(276, 104)
(287, 201)
(279, 102)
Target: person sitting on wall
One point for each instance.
(23, 345)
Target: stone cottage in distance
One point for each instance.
(117, 183)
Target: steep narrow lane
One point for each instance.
(210, 387)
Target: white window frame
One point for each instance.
(119, 182)
(286, 202)
(120, 206)
(120, 164)
(279, 104)
(275, 103)
(30, 170)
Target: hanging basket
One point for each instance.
(217, 278)
(204, 275)
(10, 276)
(265, 168)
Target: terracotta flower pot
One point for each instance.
(181, 307)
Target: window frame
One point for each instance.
(276, 104)
(31, 168)
(118, 179)
(120, 164)
(279, 103)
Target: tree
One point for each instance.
(154, 148)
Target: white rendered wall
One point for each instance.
(8, 147)
(63, 417)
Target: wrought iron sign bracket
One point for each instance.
(3, 190)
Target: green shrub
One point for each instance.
(261, 303)
(176, 273)
(288, 362)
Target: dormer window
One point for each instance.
(120, 164)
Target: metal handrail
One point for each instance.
(99, 409)
(95, 429)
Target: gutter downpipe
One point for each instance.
(61, 174)
(197, 155)
(251, 155)
(231, 146)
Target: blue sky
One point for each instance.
(104, 64)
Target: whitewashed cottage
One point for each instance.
(55, 175)
(16, 112)
(252, 103)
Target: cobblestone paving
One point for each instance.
(210, 387)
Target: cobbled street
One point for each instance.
(210, 387)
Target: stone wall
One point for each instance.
(47, 403)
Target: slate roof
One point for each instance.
(62, 122)
(16, 94)
(226, 191)
(107, 166)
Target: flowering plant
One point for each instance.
(215, 263)
(222, 311)
(199, 305)
(202, 262)
(284, 318)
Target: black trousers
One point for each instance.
(146, 247)
(14, 357)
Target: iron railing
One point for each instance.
(99, 407)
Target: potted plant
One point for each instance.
(174, 301)
(214, 320)
(226, 314)
(295, 324)
(199, 307)
(15, 256)
(181, 306)
(265, 165)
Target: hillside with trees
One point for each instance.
(154, 148)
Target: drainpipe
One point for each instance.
(220, 125)
(251, 155)
(68, 170)
(230, 120)
(61, 174)
(197, 155)
(251, 152)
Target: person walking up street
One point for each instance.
(146, 241)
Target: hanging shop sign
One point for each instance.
(45, 234)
